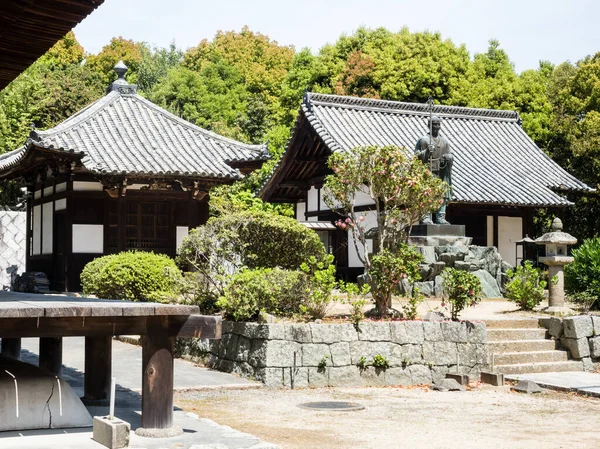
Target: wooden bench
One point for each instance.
(51, 317)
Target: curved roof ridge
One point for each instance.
(404, 107)
(252, 147)
(81, 116)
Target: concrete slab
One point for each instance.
(198, 433)
(578, 381)
(127, 367)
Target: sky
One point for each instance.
(529, 30)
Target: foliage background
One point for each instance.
(246, 86)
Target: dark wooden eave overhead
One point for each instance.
(29, 28)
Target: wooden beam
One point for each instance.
(89, 326)
(11, 347)
(50, 358)
(98, 366)
(157, 375)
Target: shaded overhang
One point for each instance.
(29, 28)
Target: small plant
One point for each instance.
(405, 362)
(321, 281)
(381, 362)
(323, 363)
(362, 363)
(410, 308)
(355, 296)
(525, 286)
(461, 289)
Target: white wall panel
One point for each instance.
(60, 204)
(61, 187)
(362, 198)
(37, 230)
(180, 233)
(47, 222)
(510, 230)
(300, 209)
(90, 186)
(88, 239)
(490, 230)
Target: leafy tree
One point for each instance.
(402, 190)
(118, 49)
(155, 65)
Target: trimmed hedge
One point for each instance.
(135, 276)
(272, 290)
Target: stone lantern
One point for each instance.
(556, 258)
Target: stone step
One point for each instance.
(551, 367)
(515, 334)
(526, 323)
(500, 347)
(514, 358)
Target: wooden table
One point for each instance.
(51, 317)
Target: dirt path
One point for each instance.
(486, 417)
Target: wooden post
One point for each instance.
(51, 355)
(157, 374)
(11, 347)
(98, 366)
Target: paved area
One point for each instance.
(580, 382)
(198, 433)
(127, 367)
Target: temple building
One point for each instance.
(500, 176)
(121, 174)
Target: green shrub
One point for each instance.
(525, 286)
(136, 276)
(271, 290)
(582, 276)
(320, 282)
(380, 361)
(461, 289)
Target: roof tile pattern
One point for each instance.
(125, 134)
(495, 161)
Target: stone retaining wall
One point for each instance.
(319, 355)
(580, 335)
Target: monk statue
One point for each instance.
(434, 151)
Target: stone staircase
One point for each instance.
(520, 346)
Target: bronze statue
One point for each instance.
(434, 151)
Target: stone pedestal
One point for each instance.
(112, 433)
(556, 284)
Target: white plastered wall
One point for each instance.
(89, 186)
(180, 233)
(47, 223)
(312, 203)
(300, 210)
(510, 230)
(36, 247)
(88, 239)
(369, 222)
(490, 230)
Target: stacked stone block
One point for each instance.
(580, 335)
(319, 355)
(12, 243)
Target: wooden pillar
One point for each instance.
(157, 375)
(11, 347)
(51, 355)
(98, 366)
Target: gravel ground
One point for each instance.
(484, 417)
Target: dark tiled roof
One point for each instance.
(125, 134)
(495, 161)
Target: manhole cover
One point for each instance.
(332, 406)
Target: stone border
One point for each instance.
(320, 355)
(580, 335)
